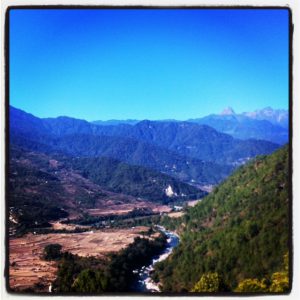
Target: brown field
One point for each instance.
(176, 214)
(27, 268)
(192, 203)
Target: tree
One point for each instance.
(209, 282)
(280, 282)
(90, 281)
(252, 285)
(52, 252)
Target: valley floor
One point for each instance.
(27, 268)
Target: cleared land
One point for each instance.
(192, 203)
(28, 268)
(125, 208)
(176, 214)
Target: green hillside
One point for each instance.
(136, 181)
(239, 231)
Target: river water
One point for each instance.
(144, 282)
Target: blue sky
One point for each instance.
(147, 64)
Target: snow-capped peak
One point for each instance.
(228, 111)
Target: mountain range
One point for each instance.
(190, 152)
(275, 116)
(265, 124)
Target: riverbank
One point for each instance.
(145, 282)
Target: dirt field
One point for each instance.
(27, 268)
(193, 203)
(176, 214)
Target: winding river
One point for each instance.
(144, 282)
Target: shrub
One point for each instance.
(52, 252)
(280, 282)
(252, 285)
(210, 282)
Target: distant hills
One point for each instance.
(59, 136)
(239, 231)
(196, 141)
(191, 152)
(136, 181)
(116, 122)
(266, 124)
(275, 116)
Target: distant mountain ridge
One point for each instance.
(57, 136)
(275, 116)
(116, 122)
(266, 124)
(194, 140)
(191, 152)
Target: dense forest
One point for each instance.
(236, 238)
(136, 181)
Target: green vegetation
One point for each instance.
(136, 217)
(239, 231)
(102, 221)
(136, 181)
(252, 286)
(90, 281)
(210, 282)
(69, 268)
(115, 274)
(52, 252)
(278, 283)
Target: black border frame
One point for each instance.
(146, 7)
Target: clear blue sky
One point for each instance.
(147, 64)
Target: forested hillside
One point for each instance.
(133, 180)
(238, 232)
(193, 153)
